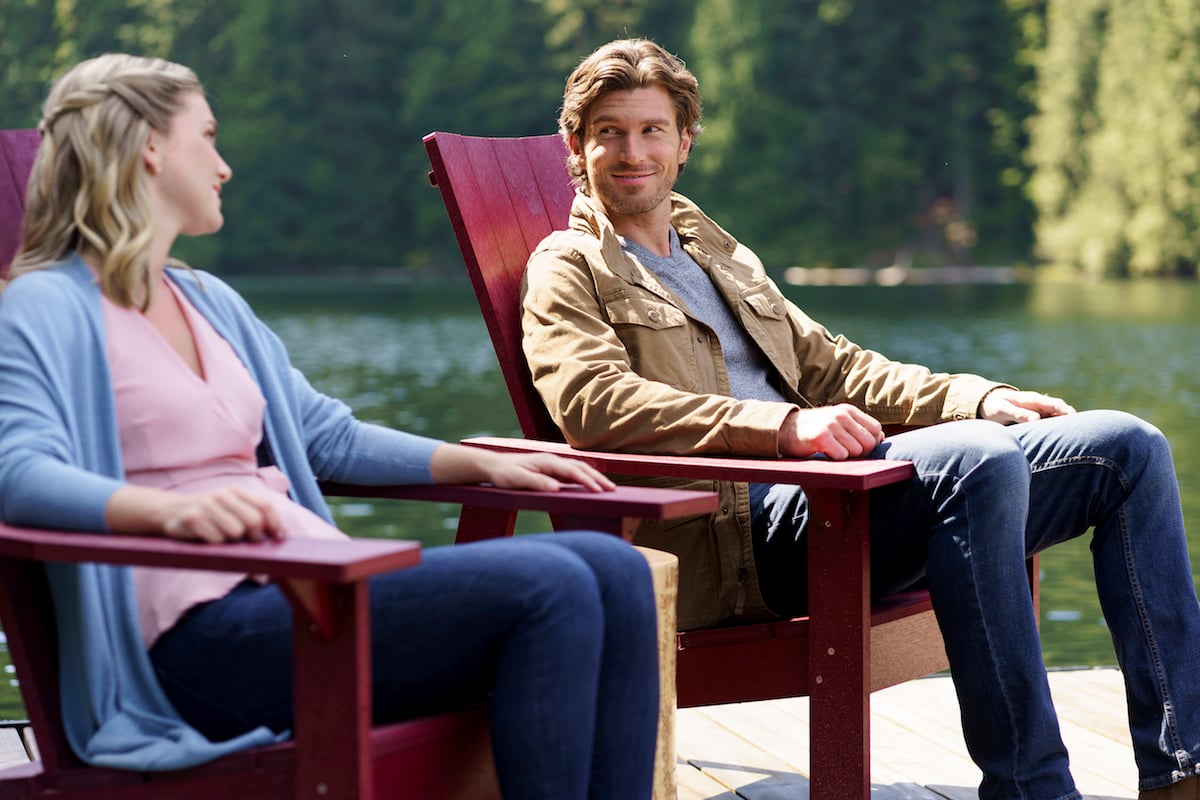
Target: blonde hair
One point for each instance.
(86, 189)
(624, 65)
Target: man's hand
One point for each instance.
(1007, 406)
(839, 432)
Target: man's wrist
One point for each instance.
(787, 432)
(979, 407)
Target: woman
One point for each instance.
(147, 398)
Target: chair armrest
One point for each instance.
(309, 559)
(625, 501)
(814, 473)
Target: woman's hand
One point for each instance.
(540, 472)
(544, 472)
(231, 514)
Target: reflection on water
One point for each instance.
(418, 357)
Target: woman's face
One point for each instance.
(185, 172)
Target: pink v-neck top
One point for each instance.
(186, 433)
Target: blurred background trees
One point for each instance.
(1114, 144)
(838, 132)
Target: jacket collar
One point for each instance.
(698, 234)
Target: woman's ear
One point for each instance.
(151, 155)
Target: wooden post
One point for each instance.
(664, 567)
(332, 657)
(839, 605)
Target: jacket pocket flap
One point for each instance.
(765, 302)
(655, 314)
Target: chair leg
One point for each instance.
(839, 646)
(624, 527)
(476, 523)
(333, 750)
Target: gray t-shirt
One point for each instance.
(745, 363)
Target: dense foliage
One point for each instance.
(1115, 145)
(838, 132)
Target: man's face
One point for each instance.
(632, 149)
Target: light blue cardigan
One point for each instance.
(60, 461)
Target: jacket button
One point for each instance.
(654, 315)
(774, 308)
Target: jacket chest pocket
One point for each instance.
(644, 312)
(768, 323)
(765, 303)
(658, 338)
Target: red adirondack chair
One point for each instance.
(503, 196)
(16, 159)
(335, 752)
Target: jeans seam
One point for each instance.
(1183, 758)
(997, 676)
(988, 634)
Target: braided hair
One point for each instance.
(86, 189)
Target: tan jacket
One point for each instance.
(622, 365)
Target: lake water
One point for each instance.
(416, 356)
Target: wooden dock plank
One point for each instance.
(919, 722)
(1095, 730)
(1096, 698)
(899, 754)
(12, 749)
(733, 760)
(692, 784)
(30, 744)
(759, 751)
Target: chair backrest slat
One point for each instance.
(503, 196)
(17, 148)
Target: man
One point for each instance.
(649, 328)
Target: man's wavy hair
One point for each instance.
(87, 188)
(624, 65)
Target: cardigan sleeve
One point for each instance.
(343, 448)
(55, 470)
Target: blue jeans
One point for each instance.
(559, 630)
(984, 497)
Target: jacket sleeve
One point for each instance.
(584, 375)
(836, 370)
(45, 477)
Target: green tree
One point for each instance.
(39, 40)
(324, 126)
(838, 131)
(1114, 145)
(844, 131)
